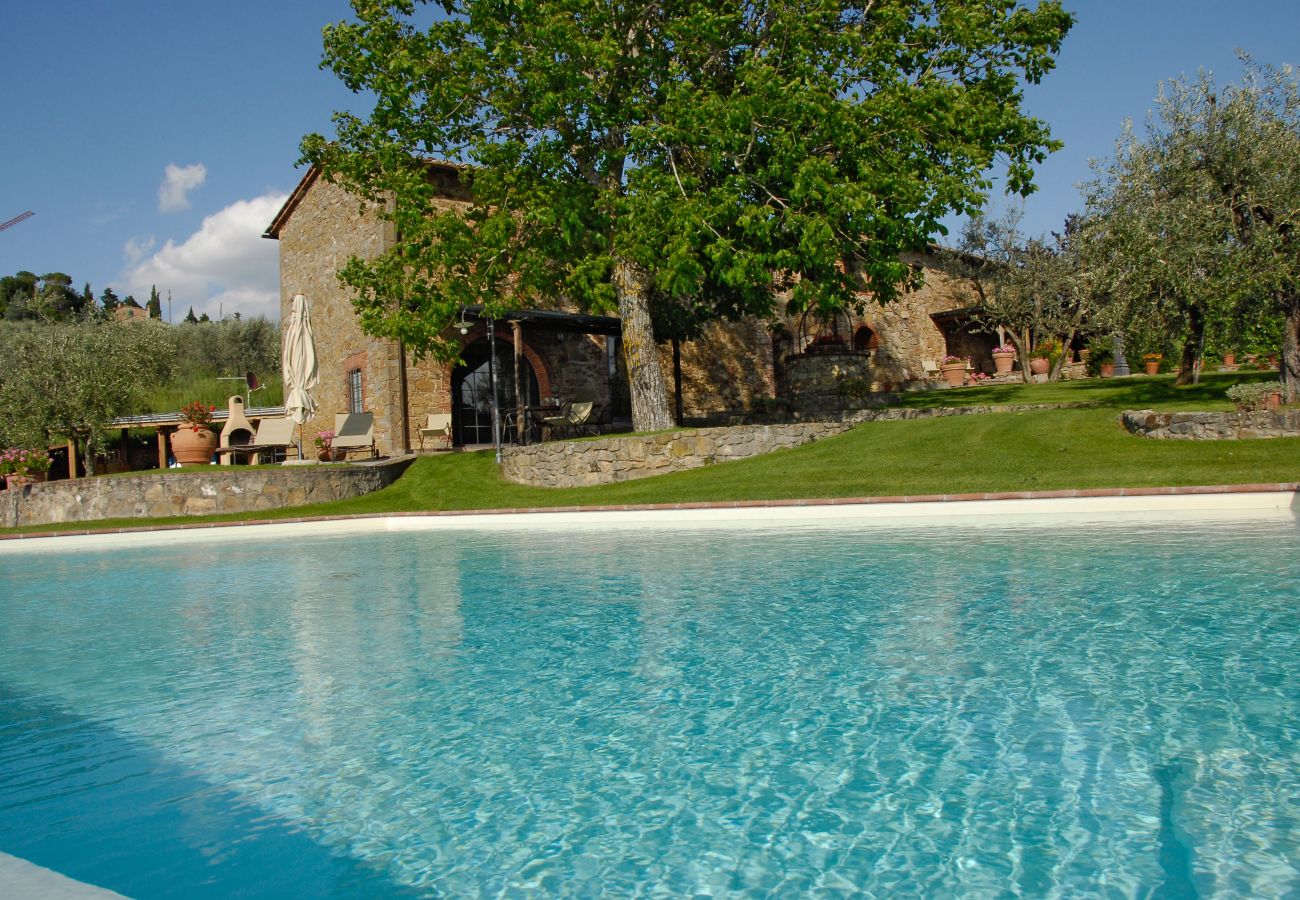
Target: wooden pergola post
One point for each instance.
(72, 458)
(162, 448)
(521, 402)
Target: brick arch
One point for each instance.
(540, 369)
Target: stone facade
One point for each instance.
(221, 490)
(1212, 426)
(731, 369)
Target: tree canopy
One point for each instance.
(716, 151)
(69, 379)
(1200, 215)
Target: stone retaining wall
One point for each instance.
(222, 490)
(623, 458)
(1212, 426)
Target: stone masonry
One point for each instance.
(623, 458)
(223, 489)
(1212, 426)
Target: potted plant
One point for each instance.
(1229, 358)
(22, 465)
(954, 369)
(325, 451)
(194, 442)
(1042, 357)
(1003, 358)
(1151, 362)
(1256, 395)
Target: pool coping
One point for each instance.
(902, 507)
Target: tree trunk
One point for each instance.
(1195, 338)
(1021, 342)
(1066, 353)
(650, 409)
(678, 414)
(1290, 374)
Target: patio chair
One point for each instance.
(274, 434)
(355, 431)
(575, 420)
(437, 427)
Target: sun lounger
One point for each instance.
(355, 431)
(274, 435)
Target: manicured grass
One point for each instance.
(1040, 450)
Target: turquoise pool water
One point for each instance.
(968, 712)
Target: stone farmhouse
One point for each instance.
(560, 353)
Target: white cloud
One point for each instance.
(173, 194)
(136, 248)
(224, 267)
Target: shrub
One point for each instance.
(1253, 395)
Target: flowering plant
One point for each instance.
(324, 440)
(1153, 357)
(978, 378)
(197, 415)
(23, 461)
(1004, 348)
(953, 360)
(1046, 350)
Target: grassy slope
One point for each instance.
(1040, 450)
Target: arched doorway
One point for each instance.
(471, 391)
(865, 339)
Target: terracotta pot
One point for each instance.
(17, 481)
(325, 454)
(1107, 370)
(1229, 359)
(1003, 361)
(955, 373)
(1152, 366)
(193, 448)
(1273, 401)
(1039, 366)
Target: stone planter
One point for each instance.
(17, 481)
(955, 373)
(1039, 366)
(193, 448)
(1003, 360)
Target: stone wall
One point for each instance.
(623, 458)
(607, 460)
(1212, 426)
(823, 383)
(223, 489)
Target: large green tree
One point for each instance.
(623, 148)
(1202, 213)
(68, 380)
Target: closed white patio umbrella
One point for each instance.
(299, 366)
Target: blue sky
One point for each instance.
(156, 140)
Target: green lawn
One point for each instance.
(1039, 450)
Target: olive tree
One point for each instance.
(619, 149)
(1201, 212)
(68, 380)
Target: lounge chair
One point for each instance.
(274, 435)
(438, 428)
(355, 431)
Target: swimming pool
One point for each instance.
(962, 710)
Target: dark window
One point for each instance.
(354, 391)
